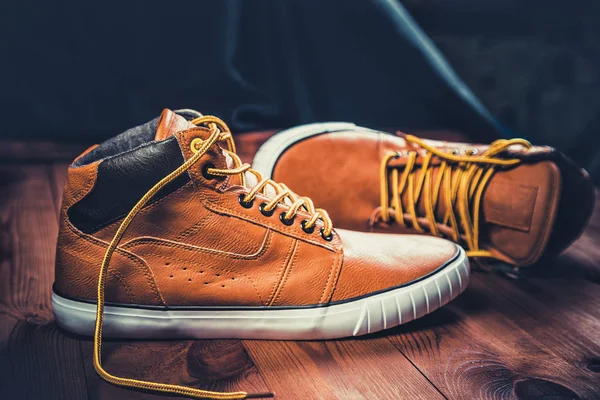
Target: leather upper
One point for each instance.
(195, 245)
(519, 204)
(360, 257)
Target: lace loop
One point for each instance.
(461, 178)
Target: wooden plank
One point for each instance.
(473, 349)
(36, 360)
(43, 363)
(343, 369)
(220, 365)
(562, 326)
(567, 301)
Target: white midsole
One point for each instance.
(352, 318)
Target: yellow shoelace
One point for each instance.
(462, 178)
(282, 192)
(218, 132)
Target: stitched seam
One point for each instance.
(141, 264)
(332, 279)
(282, 271)
(266, 243)
(114, 273)
(288, 272)
(123, 281)
(90, 182)
(192, 230)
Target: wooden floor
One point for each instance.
(532, 338)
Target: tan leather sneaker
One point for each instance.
(164, 233)
(509, 201)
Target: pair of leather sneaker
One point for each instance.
(165, 233)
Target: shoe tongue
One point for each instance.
(251, 180)
(170, 123)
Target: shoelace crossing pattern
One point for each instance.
(283, 193)
(218, 132)
(461, 178)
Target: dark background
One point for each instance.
(535, 64)
(79, 71)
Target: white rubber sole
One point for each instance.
(352, 318)
(267, 155)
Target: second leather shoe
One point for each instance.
(507, 201)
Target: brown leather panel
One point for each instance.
(257, 268)
(79, 255)
(311, 273)
(527, 196)
(510, 205)
(173, 214)
(365, 270)
(181, 217)
(78, 261)
(338, 171)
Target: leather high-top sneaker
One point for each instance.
(164, 233)
(508, 201)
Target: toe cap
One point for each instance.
(374, 262)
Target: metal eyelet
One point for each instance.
(286, 221)
(328, 238)
(205, 172)
(195, 144)
(473, 151)
(398, 154)
(245, 204)
(305, 229)
(455, 151)
(265, 212)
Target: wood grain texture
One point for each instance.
(220, 365)
(469, 350)
(36, 360)
(342, 369)
(532, 338)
